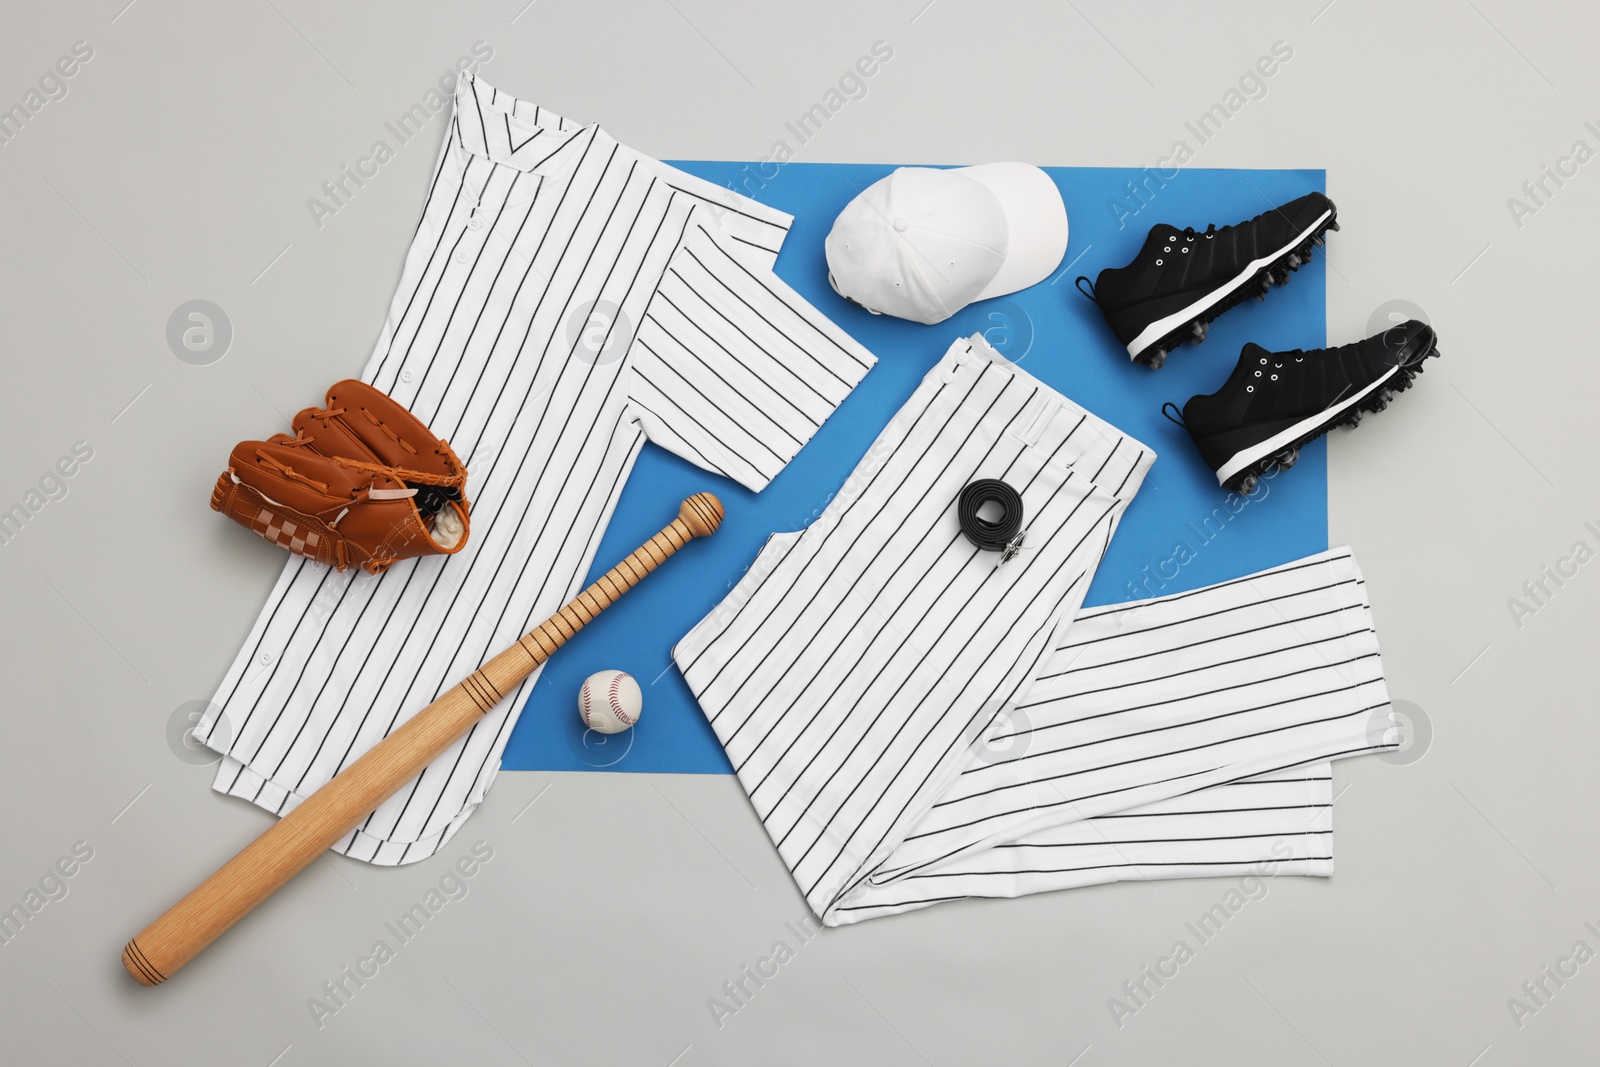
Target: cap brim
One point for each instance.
(1036, 221)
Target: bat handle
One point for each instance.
(293, 843)
(698, 516)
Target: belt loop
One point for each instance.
(1049, 406)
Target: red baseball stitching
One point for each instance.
(616, 704)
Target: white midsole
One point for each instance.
(1163, 326)
(1250, 455)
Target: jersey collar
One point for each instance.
(516, 133)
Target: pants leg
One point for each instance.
(1269, 825)
(1182, 736)
(848, 673)
(913, 722)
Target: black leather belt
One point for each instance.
(1003, 535)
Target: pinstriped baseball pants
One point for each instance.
(915, 722)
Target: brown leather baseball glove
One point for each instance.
(361, 482)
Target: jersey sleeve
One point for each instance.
(749, 229)
(731, 368)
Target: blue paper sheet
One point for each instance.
(1178, 533)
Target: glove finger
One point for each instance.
(297, 477)
(331, 435)
(390, 432)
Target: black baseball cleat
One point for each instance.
(1274, 402)
(1181, 280)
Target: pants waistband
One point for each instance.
(1115, 461)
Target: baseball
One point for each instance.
(609, 701)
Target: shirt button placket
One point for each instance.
(473, 234)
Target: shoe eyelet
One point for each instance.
(1158, 262)
(1185, 251)
(1209, 236)
(1167, 249)
(1174, 237)
(1249, 388)
(1263, 361)
(1191, 238)
(1258, 374)
(1274, 377)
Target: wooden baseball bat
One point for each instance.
(296, 840)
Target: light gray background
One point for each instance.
(178, 167)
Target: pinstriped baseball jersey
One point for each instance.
(852, 673)
(564, 300)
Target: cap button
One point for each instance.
(900, 225)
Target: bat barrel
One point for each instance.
(322, 819)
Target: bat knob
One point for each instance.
(134, 959)
(702, 513)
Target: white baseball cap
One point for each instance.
(922, 244)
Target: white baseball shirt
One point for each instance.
(564, 300)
